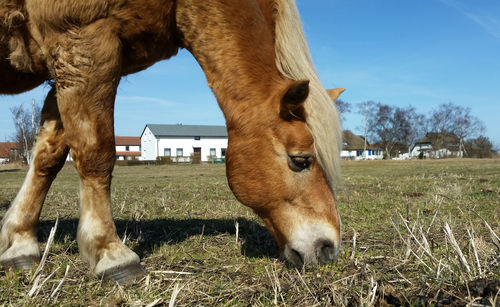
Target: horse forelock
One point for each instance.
(294, 61)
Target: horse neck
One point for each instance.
(234, 44)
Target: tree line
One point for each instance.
(397, 129)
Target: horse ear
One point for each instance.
(335, 93)
(292, 103)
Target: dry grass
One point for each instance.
(415, 233)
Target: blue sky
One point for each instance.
(420, 53)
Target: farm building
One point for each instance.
(182, 142)
(127, 147)
(9, 151)
(437, 145)
(353, 148)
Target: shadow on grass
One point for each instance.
(257, 242)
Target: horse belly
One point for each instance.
(13, 81)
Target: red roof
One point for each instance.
(6, 149)
(127, 140)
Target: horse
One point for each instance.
(284, 133)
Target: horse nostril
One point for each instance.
(295, 257)
(325, 250)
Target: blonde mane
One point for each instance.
(294, 61)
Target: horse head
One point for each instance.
(273, 168)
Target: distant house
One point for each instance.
(353, 148)
(437, 145)
(127, 147)
(182, 142)
(9, 151)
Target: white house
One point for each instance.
(127, 147)
(437, 145)
(353, 148)
(181, 142)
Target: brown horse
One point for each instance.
(284, 133)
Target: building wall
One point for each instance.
(130, 148)
(152, 147)
(189, 143)
(148, 145)
(371, 154)
(421, 147)
(348, 154)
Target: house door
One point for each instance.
(196, 155)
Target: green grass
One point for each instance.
(182, 218)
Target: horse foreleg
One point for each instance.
(86, 96)
(18, 242)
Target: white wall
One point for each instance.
(353, 155)
(189, 143)
(348, 154)
(148, 145)
(130, 148)
(420, 147)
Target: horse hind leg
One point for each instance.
(86, 102)
(18, 243)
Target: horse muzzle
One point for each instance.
(313, 245)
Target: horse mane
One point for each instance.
(294, 61)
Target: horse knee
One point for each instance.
(94, 163)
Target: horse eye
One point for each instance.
(300, 162)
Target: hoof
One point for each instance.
(123, 275)
(22, 262)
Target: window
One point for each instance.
(180, 152)
(212, 152)
(166, 152)
(196, 138)
(223, 152)
(127, 148)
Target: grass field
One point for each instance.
(414, 233)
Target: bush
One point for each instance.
(480, 147)
(163, 160)
(132, 162)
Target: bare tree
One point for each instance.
(451, 119)
(343, 107)
(409, 124)
(384, 127)
(368, 110)
(26, 124)
(466, 126)
(442, 118)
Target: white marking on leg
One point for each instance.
(12, 244)
(114, 255)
